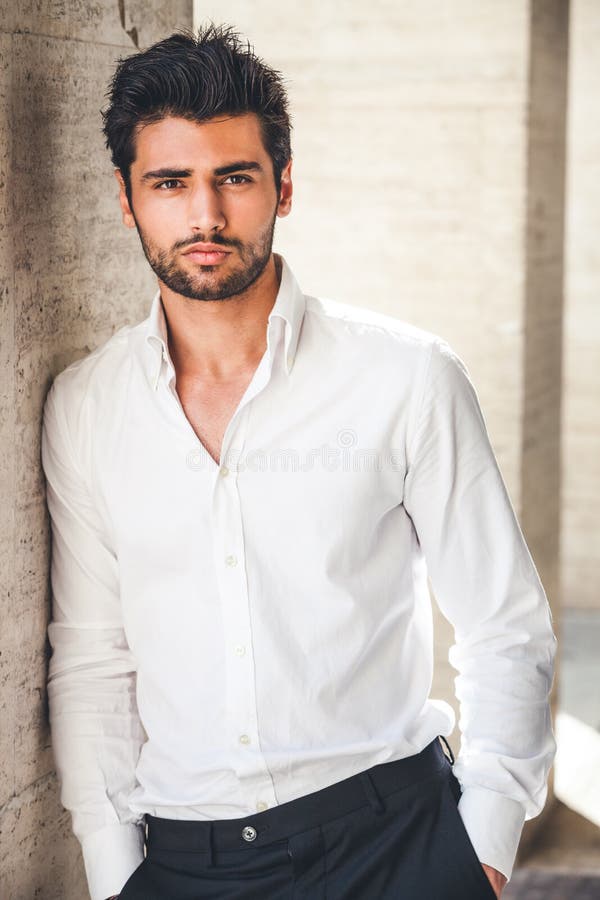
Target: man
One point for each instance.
(248, 491)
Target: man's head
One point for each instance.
(199, 134)
(195, 77)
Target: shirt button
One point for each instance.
(231, 560)
(244, 739)
(249, 833)
(261, 806)
(240, 650)
(224, 471)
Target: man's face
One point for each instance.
(204, 202)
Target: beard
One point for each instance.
(208, 284)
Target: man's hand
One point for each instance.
(496, 878)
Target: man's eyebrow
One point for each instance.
(242, 165)
(166, 173)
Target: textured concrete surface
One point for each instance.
(581, 447)
(541, 351)
(121, 23)
(429, 145)
(7, 459)
(39, 856)
(69, 276)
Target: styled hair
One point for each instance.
(195, 76)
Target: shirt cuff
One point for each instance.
(110, 856)
(494, 824)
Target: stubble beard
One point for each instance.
(254, 258)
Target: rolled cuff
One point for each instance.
(110, 856)
(494, 824)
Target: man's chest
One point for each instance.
(319, 456)
(209, 407)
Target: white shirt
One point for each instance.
(275, 607)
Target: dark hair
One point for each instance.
(196, 77)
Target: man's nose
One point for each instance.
(206, 209)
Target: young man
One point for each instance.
(248, 491)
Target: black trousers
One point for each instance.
(391, 833)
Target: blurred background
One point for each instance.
(447, 172)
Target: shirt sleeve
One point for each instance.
(487, 586)
(96, 732)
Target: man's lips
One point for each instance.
(208, 254)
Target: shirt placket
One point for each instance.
(243, 739)
(256, 783)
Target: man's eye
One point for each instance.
(168, 185)
(239, 179)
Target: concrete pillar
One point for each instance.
(429, 170)
(543, 309)
(69, 276)
(581, 447)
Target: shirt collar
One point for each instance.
(289, 308)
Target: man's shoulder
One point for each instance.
(98, 370)
(368, 325)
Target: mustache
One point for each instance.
(202, 239)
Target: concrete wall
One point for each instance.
(429, 172)
(69, 276)
(581, 436)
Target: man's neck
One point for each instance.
(221, 340)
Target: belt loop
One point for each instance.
(442, 738)
(372, 795)
(211, 850)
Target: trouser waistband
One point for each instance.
(298, 815)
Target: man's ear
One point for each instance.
(128, 219)
(284, 205)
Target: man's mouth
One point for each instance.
(206, 254)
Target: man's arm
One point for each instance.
(96, 732)
(487, 586)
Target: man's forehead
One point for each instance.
(179, 126)
(211, 139)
